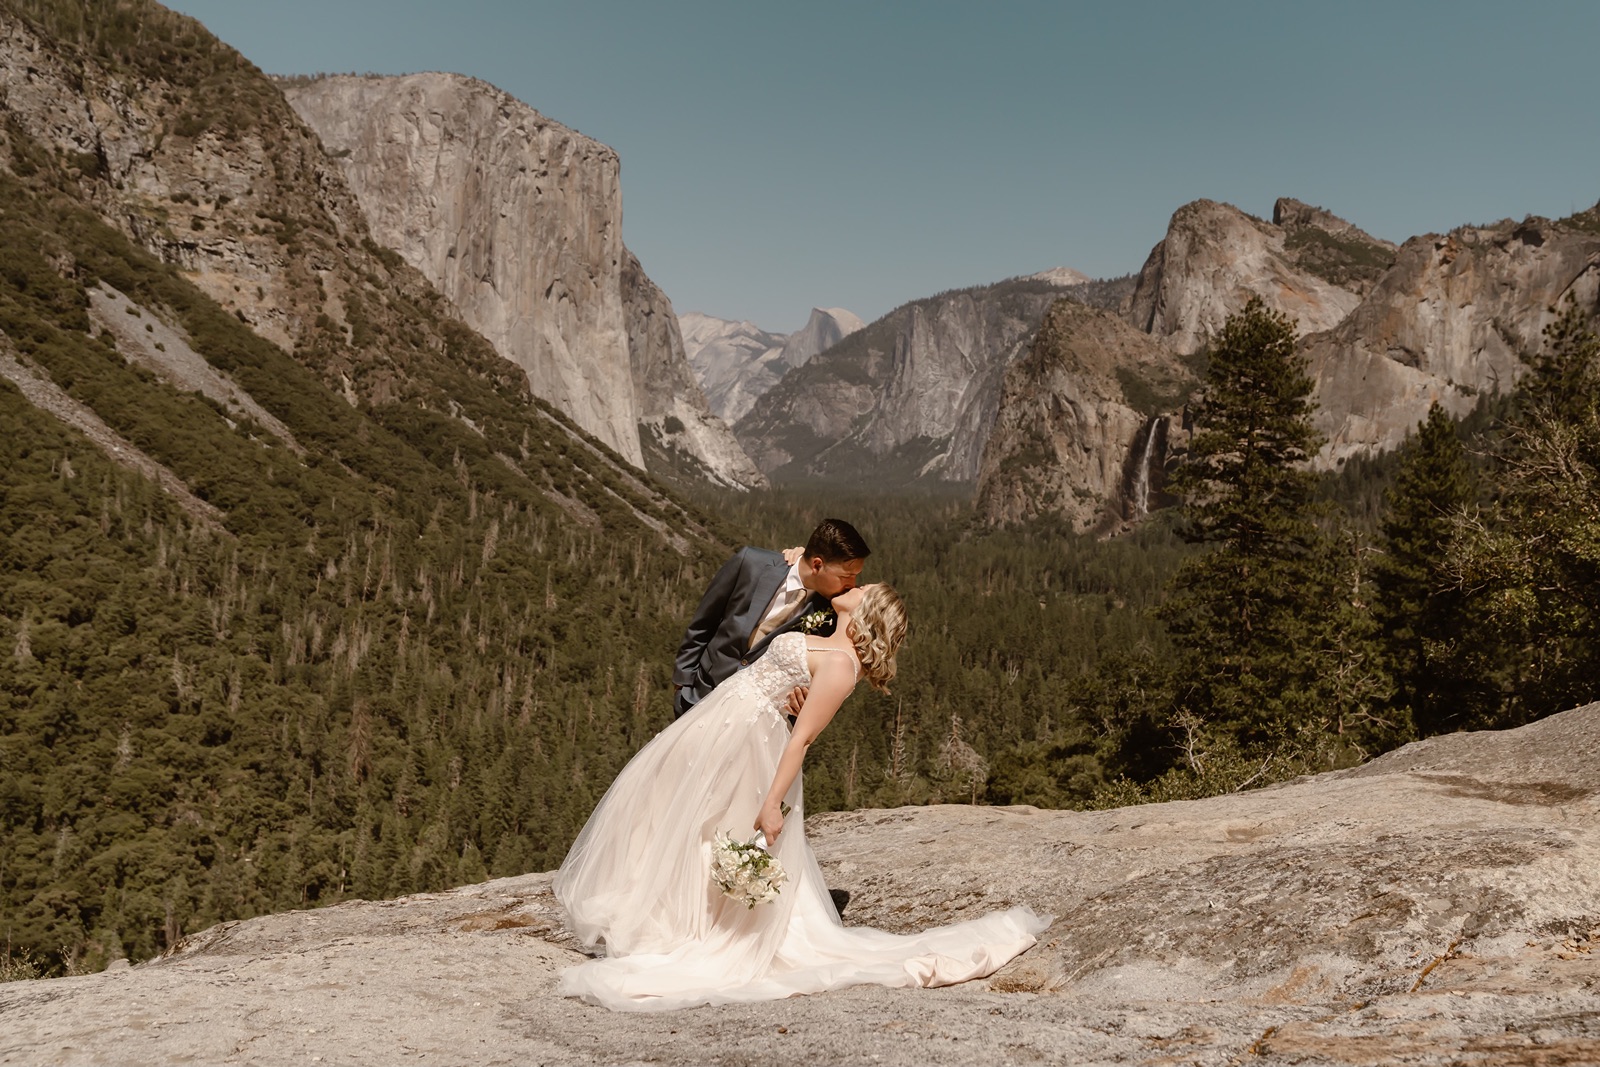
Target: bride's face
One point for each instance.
(850, 599)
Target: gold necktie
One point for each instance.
(777, 615)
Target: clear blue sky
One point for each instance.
(780, 156)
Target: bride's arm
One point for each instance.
(829, 686)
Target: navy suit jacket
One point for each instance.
(717, 641)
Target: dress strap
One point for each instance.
(855, 664)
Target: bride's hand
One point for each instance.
(769, 820)
(792, 555)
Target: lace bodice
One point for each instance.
(765, 685)
(778, 671)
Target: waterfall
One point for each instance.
(1139, 496)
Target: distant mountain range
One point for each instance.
(737, 362)
(911, 396)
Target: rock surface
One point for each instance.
(1450, 322)
(1213, 259)
(142, 337)
(824, 328)
(518, 221)
(1440, 905)
(679, 434)
(1069, 440)
(735, 362)
(197, 197)
(1330, 247)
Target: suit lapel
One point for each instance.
(761, 593)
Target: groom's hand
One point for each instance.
(797, 699)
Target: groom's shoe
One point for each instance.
(841, 897)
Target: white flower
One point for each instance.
(746, 871)
(816, 620)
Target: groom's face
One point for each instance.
(830, 579)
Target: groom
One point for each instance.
(755, 597)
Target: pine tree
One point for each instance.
(1429, 631)
(1238, 612)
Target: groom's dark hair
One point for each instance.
(836, 541)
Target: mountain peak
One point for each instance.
(1061, 276)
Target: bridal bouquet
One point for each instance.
(746, 871)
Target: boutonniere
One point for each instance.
(816, 620)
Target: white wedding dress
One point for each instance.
(638, 878)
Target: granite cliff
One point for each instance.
(1214, 258)
(1389, 331)
(518, 221)
(183, 146)
(1452, 321)
(1085, 423)
(1436, 906)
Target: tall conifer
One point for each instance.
(1238, 611)
(1427, 622)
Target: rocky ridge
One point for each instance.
(518, 221)
(1435, 906)
(1213, 260)
(228, 184)
(1067, 441)
(175, 140)
(1332, 248)
(1388, 331)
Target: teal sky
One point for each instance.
(776, 157)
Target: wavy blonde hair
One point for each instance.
(876, 630)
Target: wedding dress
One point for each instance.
(638, 878)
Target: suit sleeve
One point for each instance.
(707, 617)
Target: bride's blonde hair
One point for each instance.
(876, 629)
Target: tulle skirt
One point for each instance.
(638, 881)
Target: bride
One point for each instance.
(638, 878)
